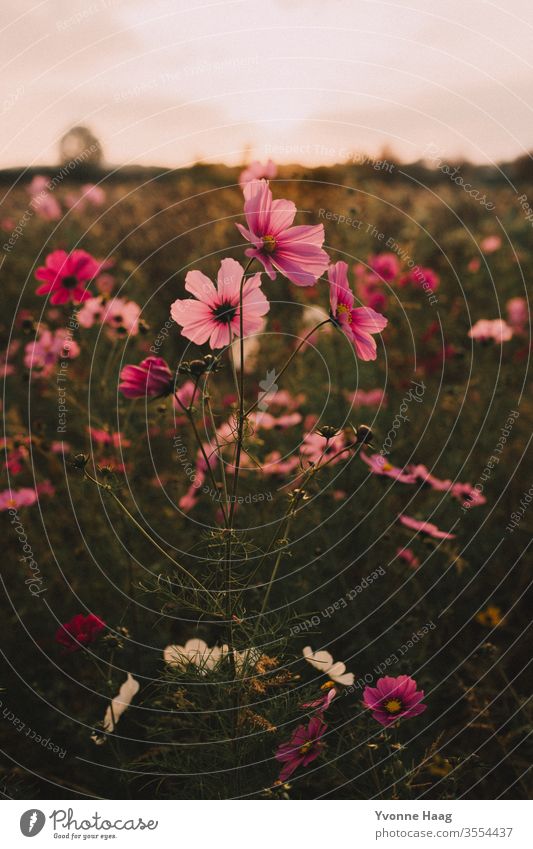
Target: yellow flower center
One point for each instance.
(386, 467)
(328, 685)
(393, 706)
(305, 748)
(342, 309)
(269, 244)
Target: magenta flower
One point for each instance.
(215, 315)
(152, 378)
(425, 527)
(380, 466)
(12, 499)
(79, 631)
(304, 746)
(408, 556)
(66, 276)
(424, 278)
(357, 324)
(393, 699)
(468, 494)
(296, 252)
(385, 266)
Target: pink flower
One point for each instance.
(393, 699)
(315, 447)
(66, 276)
(91, 312)
(79, 631)
(152, 378)
(323, 702)
(361, 398)
(425, 527)
(495, 329)
(474, 265)
(468, 495)
(422, 474)
(517, 313)
(380, 466)
(257, 171)
(424, 278)
(295, 252)
(48, 348)
(44, 204)
(408, 556)
(215, 313)
(304, 746)
(490, 244)
(357, 324)
(12, 499)
(385, 266)
(119, 313)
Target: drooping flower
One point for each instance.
(408, 556)
(322, 660)
(120, 703)
(215, 314)
(152, 378)
(486, 329)
(393, 699)
(258, 171)
(296, 252)
(304, 746)
(425, 527)
(67, 276)
(79, 631)
(379, 465)
(358, 324)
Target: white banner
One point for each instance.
(267, 825)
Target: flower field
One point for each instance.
(265, 484)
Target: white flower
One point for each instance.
(118, 705)
(323, 660)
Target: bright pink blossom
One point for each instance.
(258, 171)
(357, 324)
(79, 631)
(152, 378)
(487, 329)
(393, 699)
(296, 252)
(66, 276)
(12, 499)
(304, 746)
(425, 527)
(386, 266)
(379, 465)
(215, 315)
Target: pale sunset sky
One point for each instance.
(168, 82)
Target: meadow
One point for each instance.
(291, 569)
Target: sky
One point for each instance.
(170, 82)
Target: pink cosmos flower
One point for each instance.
(315, 446)
(296, 252)
(42, 201)
(495, 329)
(266, 421)
(67, 276)
(103, 437)
(79, 631)
(424, 278)
(467, 494)
(258, 171)
(408, 556)
(304, 746)
(371, 398)
(517, 313)
(422, 473)
(379, 465)
(490, 244)
(48, 348)
(323, 702)
(386, 266)
(12, 499)
(357, 324)
(393, 699)
(425, 527)
(215, 313)
(152, 378)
